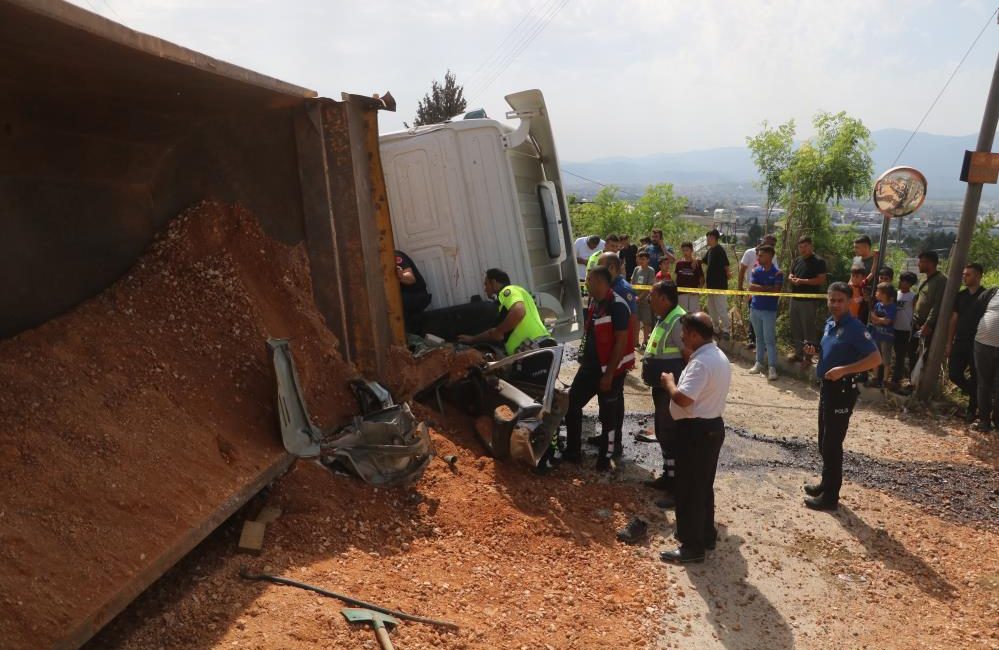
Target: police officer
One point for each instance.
(664, 354)
(846, 350)
(519, 325)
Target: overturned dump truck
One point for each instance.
(137, 407)
(475, 193)
(136, 404)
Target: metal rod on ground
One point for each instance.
(246, 575)
(969, 216)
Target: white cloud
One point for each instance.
(621, 78)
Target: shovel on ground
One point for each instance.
(378, 621)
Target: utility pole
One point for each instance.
(969, 217)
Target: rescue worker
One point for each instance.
(846, 351)
(611, 245)
(519, 325)
(608, 353)
(664, 354)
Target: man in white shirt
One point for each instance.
(584, 248)
(697, 401)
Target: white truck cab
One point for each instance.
(477, 193)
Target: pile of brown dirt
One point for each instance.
(518, 561)
(128, 420)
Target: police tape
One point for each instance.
(733, 292)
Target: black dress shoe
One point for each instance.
(661, 483)
(594, 440)
(813, 489)
(571, 457)
(634, 532)
(682, 555)
(666, 502)
(818, 503)
(603, 464)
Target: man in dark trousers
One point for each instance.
(628, 255)
(808, 275)
(697, 402)
(415, 297)
(926, 309)
(846, 350)
(716, 275)
(608, 353)
(664, 354)
(961, 337)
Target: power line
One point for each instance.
(596, 182)
(936, 99)
(116, 14)
(108, 5)
(531, 36)
(522, 43)
(944, 89)
(494, 56)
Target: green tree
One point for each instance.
(443, 102)
(772, 152)
(985, 246)
(833, 165)
(753, 233)
(659, 207)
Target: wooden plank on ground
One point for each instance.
(251, 539)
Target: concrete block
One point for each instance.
(251, 539)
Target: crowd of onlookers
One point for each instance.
(902, 314)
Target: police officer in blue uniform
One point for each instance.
(846, 350)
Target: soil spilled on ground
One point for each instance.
(514, 559)
(126, 421)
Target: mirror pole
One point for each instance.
(969, 216)
(882, 246)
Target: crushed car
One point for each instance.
(515, 400)
(384, 446)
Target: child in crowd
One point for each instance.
(858, 305)
(690, 275)
(904, 302)
(663, 273)
(644, 275)
(883, 328)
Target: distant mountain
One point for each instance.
(939, 157)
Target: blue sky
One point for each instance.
(624, 78)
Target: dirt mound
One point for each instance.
(517, 560)
(128, 420)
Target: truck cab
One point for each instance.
(476, 193)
